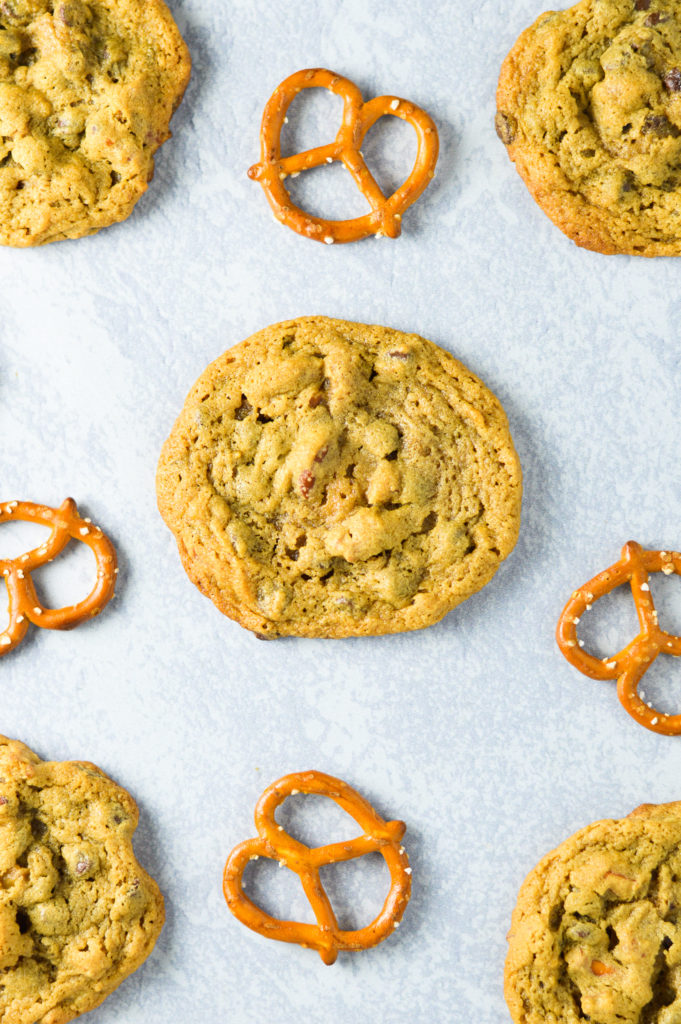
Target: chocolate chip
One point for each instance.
(315, 400)
(506, 127)
(243, 410)
(399, 355)
(659, 125)
(672, 80)
(306, 483)
(642, 5)
(322, 453)
(23, 921)
(3, 801)
(654, 19)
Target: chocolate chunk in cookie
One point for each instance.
(332, 479)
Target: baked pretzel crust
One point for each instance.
(358, 117)
(379, 836)
(24, 605)
(628, 665)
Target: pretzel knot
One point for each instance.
(24, 606)
(358, 117)
(630, 664)
(379, 836)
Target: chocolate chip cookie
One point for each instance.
(589, 108)
(332, 479)
(87, 90)
(596, 934)
(77, 912)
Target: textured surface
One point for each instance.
(589, 106)
(596, 934)
(335, 479)
(476, 732)
(77, 912)
(86, 94)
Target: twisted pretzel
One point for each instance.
(273, 842)
(358, 117)
(24, 605)
(629, 665)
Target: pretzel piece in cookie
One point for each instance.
(24, 605)
(630, 664)
(378, 835)
(358, 118)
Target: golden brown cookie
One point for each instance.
(87, 90)
(77, 912)
(589, 108)
(596, 933)
(333, 479)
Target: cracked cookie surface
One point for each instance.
(87, 90)
(334, 479)
(596, 934)
(77, 912)
(589, 108)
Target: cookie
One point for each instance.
(87, 90)
(333, 479)
(596, 934)
(589, 108)
(77, 912)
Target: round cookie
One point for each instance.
(333, 479)
(589, 108)
(77, 912)
(87, 90)
(596, 933)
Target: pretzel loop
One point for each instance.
(273, 842)
(358, 118)
(24, 604)
(630, 664)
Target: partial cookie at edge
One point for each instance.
(87, 90)
(589, 108)
(596, 933)
(77, 912)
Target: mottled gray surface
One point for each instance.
(476, 731)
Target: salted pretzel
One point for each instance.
(358, 117)
(629, 665)
(273, 842)
(24, 605)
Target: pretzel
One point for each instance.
(358, 117)
(24, 606)
(273, 842)
(629, 665)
